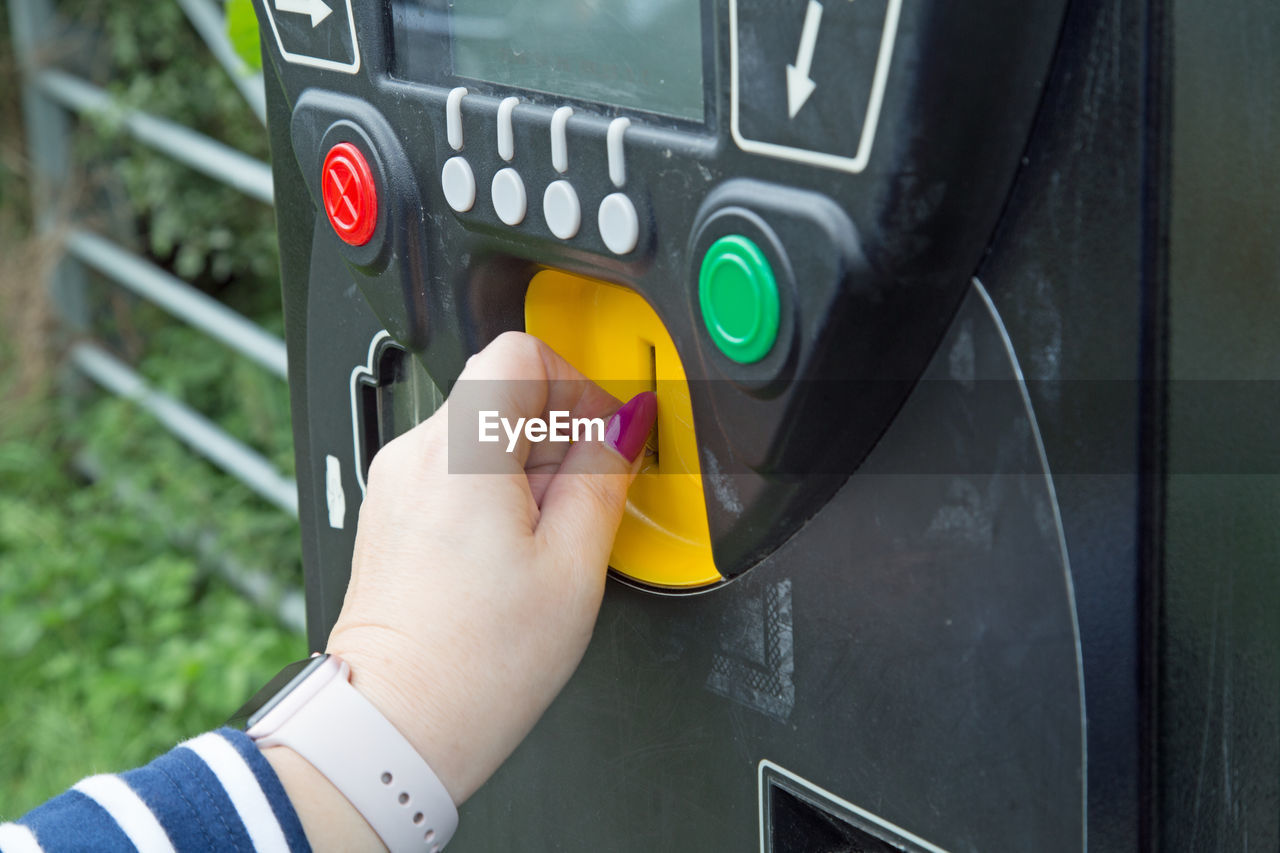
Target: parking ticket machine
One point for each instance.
(889, 579)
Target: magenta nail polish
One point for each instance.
(630, 425)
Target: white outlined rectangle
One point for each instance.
(351, 67)
(804, 784)
(802, 155)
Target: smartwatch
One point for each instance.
(311, 707)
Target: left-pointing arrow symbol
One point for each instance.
(318, 10)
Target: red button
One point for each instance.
(350, 195)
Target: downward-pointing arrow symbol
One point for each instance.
(799, 86)
(317, 10)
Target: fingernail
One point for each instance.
(630, 425)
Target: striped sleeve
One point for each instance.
(213, 792)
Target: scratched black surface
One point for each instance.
(935, 677)
(1137, 248)
(1218, 743)
(1066, 271)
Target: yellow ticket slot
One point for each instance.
(611, 335)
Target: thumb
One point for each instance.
(583, 505)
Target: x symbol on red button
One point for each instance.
(349, 193)
(338, 203)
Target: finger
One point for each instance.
(589, 412)
(584, 502)
(541, 478)
(507, 379)
(516, 377)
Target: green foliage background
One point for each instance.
(118, 636)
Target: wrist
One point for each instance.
(346, 766)
(417, 714)
(327, 816)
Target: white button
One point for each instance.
(613, 144)
(453, 117)
(509, 199)
(560, 139)
(562, 211)
(619, 225)
(506, 130)
(459, 184)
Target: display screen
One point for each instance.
(642, 54)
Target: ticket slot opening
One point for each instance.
(613, 336)
(389, 396)
(378, 400)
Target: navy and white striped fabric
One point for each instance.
(213, 792)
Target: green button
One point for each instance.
(739, 298)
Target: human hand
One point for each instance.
(473, 595)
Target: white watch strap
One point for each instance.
(348, 740)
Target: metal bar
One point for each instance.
(218, 161)
(284, 601)
(202, 435)
(49, 153)
(180, 299)
(211, 25)
(48, 143)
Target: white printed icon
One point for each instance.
(799, 84)
(334, 495)
(317, 10)
(833, 99)
(332, 47)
